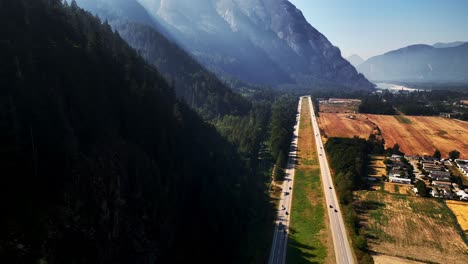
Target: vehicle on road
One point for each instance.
(286, 193)
(336, 211)
(330, 187)
(331, 206)
(290, 188)
(287, 213)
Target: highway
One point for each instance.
(280, 238)
(343, 252)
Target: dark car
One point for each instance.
(330, 187)
(331, 206)
(336, 211)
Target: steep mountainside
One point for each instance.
(258, 41)
(199, 88)
(99, 161)
(419, 63)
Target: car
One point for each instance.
(336, 211)
(287, 213)
(330, 187)
(290, 188)
(286, 193)
(320, 154)
(331, 206)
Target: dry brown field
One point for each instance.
(410, 227)
(420, 135)
(460, 210)
(340, 125)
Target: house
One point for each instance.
(399, 180)
(440, 176)
(441, 184)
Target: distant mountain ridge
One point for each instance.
(440, 45)
(419, 63)
(355, 60)
(257, 41)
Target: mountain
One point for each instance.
(100, 162)
(355, 60)
(419, 63)
(258, 41)
(448, 45)
(199, 88)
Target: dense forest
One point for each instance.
(102, 164)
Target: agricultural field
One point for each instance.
(460, 210)
(412, 228)
(345, 125)
(422, 135)
(416, 135)
(339, 106)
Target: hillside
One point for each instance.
(419, 63)
(199, 88)
(266, 42)
(101, 163)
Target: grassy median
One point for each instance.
(308, 238)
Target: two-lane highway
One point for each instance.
(343, 252)
(280, 238)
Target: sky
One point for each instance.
(373, 27)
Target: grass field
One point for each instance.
(309, 241)
(416, 135)
(410, 227)
(377, 167)
(402, 119)
(460, 210)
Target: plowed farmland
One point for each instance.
(416, 135)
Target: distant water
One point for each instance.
(394, 87)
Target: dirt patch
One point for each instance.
(460, 210)
(410, 227)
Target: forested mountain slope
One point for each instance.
(201, 89)
(99, 161)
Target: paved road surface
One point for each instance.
(343, 252)
(280, 238)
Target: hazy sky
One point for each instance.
(372, 27)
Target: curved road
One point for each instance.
(280, 238)
(343, 252)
